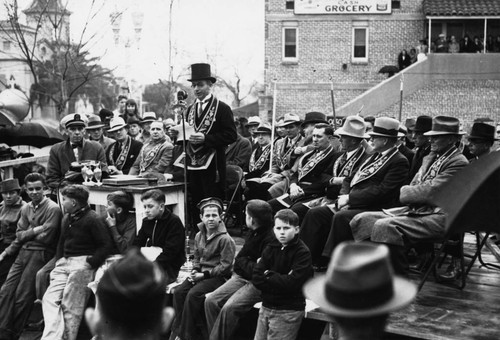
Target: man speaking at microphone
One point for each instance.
(214, 128)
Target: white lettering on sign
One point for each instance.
(343, 7)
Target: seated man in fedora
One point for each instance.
(360, 290)
(252, 125)
(95, 131)
(74, 149)
(145, 122)
(422, 143)
(122, 154)
(418, 220)
(259, 160)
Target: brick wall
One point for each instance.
(464, 99)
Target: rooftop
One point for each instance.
(462, 8)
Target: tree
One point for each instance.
(61, 68)
(235, 87)
(162, 96)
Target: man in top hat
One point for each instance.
(213, 123)
(239, 152)
(121, 154)
(374, 186)
(147, 119)
(131, 300)
(74, 149)
(317, 220)
(95, 131)
(360, 290)
(423, 124)
(251, 125)
(418, 220)
(10, 212)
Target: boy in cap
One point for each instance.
(10, 212)
(214, 251)
(130, 301)
(359, 290)
(284, 267)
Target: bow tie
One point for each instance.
(76, 145)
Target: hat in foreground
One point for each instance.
(360, 283)
(354, 126)
(483, 131)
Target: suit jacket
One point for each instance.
(332, 191)
(133, 154)
(61, 156)
(239, 152)
(381, 190)
(161, 164)
(265, 167)
(407, 152)
(416, 163)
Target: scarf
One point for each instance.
(122, 157)
(371, 166)
(259, 163)
(148, 155)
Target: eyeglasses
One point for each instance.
(34, 189)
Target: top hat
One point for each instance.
(134, 120)
(354, 126)
(201, 72)
(10, 184)
(74, 119)
(211, 201)
(94, 123)
(482, 131)
(132, 289)
(423, 124)
(254, 120)
(116, 124)
(314, 118)
(263, 129)
(289, 119)
(385, 127)
(360, 283)
(148, 117)
(443, 125)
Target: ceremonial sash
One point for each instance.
(349, 165)
(370, 167)
(282, 155)
(148, 156)
(311, 163)
(435, 167)
(122, 157)
(259, 163)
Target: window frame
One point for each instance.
(360, 60)
(283, 45)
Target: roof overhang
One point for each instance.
(461, 17)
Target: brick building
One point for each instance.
(312, 46)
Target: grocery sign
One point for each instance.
(343, 7)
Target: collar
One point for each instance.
(204, 100)
(444, 151)
(350, 153)
(39, 204)
(79, 213)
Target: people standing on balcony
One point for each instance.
(478, 45)
(441, 45)
(490, 44)
(422, 50)
(403, 60)
(453, 46)
(413, 55)
(466, 45)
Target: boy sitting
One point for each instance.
(213, 259)
(120, 221)
(283, 269)
(163, 229)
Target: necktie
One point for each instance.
(76, 145)
(200, 108)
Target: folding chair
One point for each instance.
(234, 195)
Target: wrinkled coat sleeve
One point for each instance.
(227, 252)
(54, 174)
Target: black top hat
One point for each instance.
(314, 118)
(201, 72)
(482, 131)
(423, 124)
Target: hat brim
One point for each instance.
(314, 121)
(404, 293)
(381, 135)
(212, 79)
(75, 124)
(116, 128)
(147, 120)
(262, 132)
(443, 133)
(288, 123)
(341, 132)
(492, 139)
(252, 124)
(94, 127)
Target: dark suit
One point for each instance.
(239, 152)
(379, 191)
(135, 149)
(416, 163)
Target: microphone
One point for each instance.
(182, 95)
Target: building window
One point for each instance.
(6, 45)
(290, 52)
(360, 45)
(396, 4)
(290, 4)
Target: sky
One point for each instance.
(229, 34)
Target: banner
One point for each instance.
(343, 7)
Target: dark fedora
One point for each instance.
(423, 124)
(385, 127)
(360, 283)
(9, 185)
(201, 72)
(94, 123)
(314, 118)
(482, 131)
(444, 125)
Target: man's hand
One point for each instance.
(342, 201)
(336, 180)
(197, 138)
(113, 170)
(196, 277)
(111, 220)
(2, 256)
(295, 191)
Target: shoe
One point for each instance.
(423, 262)
(453, 271)
(35, 326)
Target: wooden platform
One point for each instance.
(442, 312)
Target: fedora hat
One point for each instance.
(252, 121)
(314, 118)
(169, 122)
(360, 283)
(75, 119)
(410, 123)
(288, 119)
(201, 71)
(134, 120)
(354, 126)
(94, 123)
(9, 185)
(444, 125)
(148, 117)
(423, 124)
(263, 129)
(482, 131)
(116, 124)
(385, 127)
(402, 131)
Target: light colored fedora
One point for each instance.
(252, 121)
(385, 127)
(288, 119)
(264, 129)
(354, 126)
(444, 125)
(116, 124)
(360, 283)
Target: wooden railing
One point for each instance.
(7, 167)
